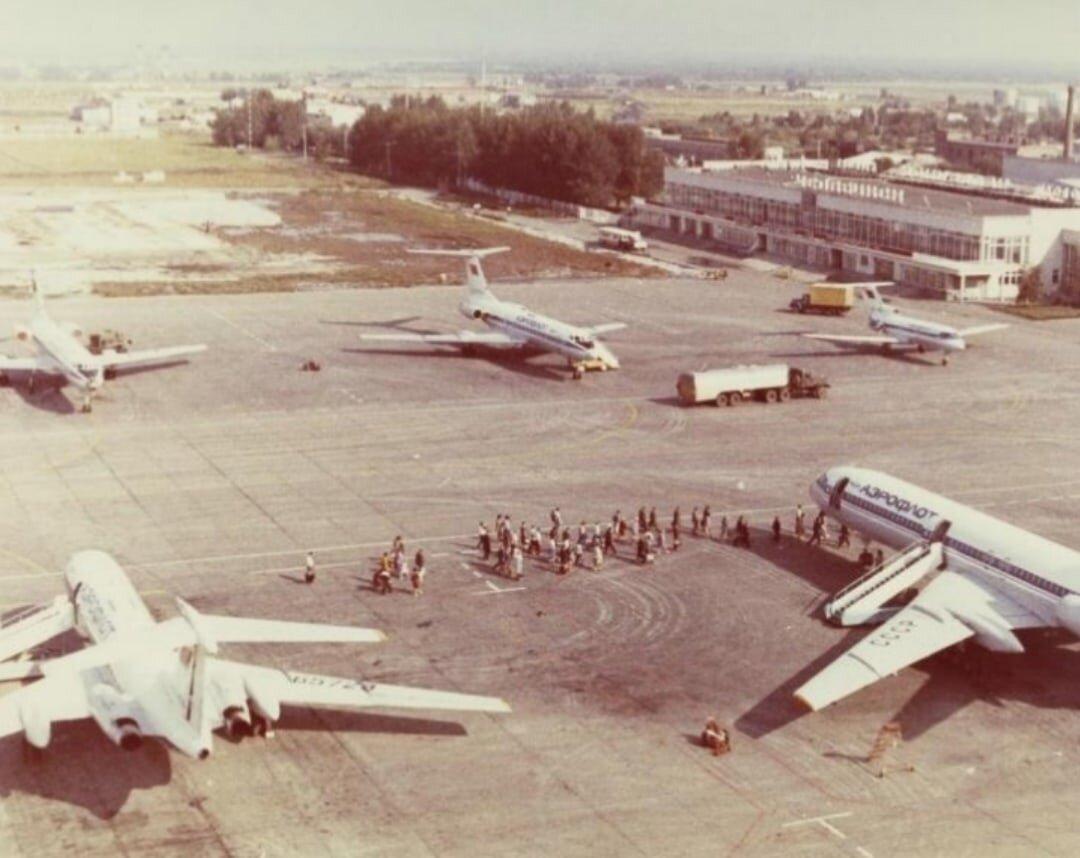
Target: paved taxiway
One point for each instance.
(211, 479)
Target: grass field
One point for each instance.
(188, 161)
(326, 223)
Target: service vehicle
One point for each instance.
(766, 382)
(622, 239)
(835, 299)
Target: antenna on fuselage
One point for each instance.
(475, 281)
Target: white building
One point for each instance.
(959, 243)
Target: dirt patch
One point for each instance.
(1038, 312)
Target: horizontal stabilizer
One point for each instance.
(982, 329)
(246, 630)
(607, 328)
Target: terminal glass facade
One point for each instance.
(894, 235)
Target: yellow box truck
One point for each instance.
(831, 298)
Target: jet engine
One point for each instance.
(237, 722)
(36, 725)
(1068, 613)
(128, 735)
(264, 703)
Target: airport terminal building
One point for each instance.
(962, 244)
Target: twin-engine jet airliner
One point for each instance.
(138, 677)
(59, 352)
(513, 326)
(979, 578)
(895, 329)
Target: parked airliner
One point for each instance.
(138, 677)
(513, 326)
(979, 578)
(59, 352)
(898, 329)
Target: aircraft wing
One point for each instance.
(23, 364)
(245, 630)
(855, 339)
(922, 628)
(982, 329)
(463, 339)
(55, 699)
(112, 359)
(607, 328)
(35, 627)
(330, 692)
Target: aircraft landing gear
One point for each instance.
(945, 360)
(261, 726)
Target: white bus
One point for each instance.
(621, 239)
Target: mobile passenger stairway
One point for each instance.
(861, 602)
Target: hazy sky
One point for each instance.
(962, 33)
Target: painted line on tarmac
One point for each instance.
(268, 346)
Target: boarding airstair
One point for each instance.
(861, 601)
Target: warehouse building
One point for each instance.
(960, 242)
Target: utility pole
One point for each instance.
(303, 120)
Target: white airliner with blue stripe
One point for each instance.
(977, 577)
(60, 353)
(513, 326)
(896, 329)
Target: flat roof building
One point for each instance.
(961, 243)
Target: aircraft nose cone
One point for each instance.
(603, 353)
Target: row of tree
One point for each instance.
(259, 120)
(550, 150)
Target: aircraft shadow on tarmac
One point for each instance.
(82, 767)
(901, 354)
(48, 389)
(1046, 676)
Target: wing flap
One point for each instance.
(331, 692)
(855, 339)
(116, 360)
(918, 631)
(493, 339)
(247, 630)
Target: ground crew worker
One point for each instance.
(642, 550)
(418, 573)
(483, 541)
(776, 528)
(579, 553)
(609, 541)
(556, 518)
(661, 542)
(642, 519)
(879, 557)
(381, 583)
(815, 536)
(523, 536)
(715, 738)
(676, 518)
(517, 561)
(800, 522)
(844, 539)
(400, 566)
(706, 520)
(652, 519)
(723, 528)
(309, 568)
(695, 522)
(597, 556)
(534, 542)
